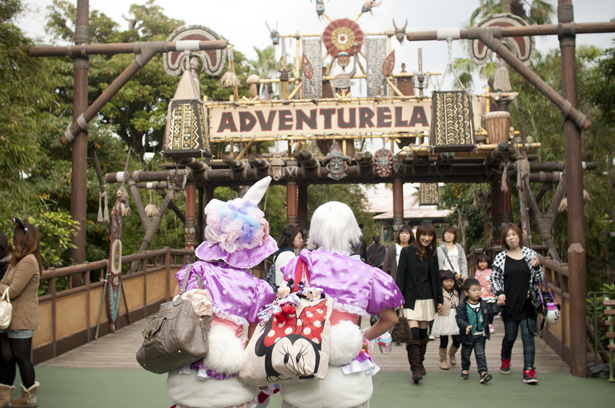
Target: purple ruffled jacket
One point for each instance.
(359, 288)
(236, 294)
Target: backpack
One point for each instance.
(270, 275)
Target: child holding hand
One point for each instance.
(483, 275)
(445, 323)
(472, 317)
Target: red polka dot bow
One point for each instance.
(309, 324)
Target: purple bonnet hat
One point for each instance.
(237, 231)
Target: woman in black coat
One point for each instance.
(418, 278)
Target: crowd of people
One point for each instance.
(413, 277)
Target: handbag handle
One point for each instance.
(7, 295)
(199, 280)
(300, 267)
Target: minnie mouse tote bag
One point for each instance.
(293, 345)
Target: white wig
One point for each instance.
(333, 228)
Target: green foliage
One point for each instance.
(353, 195)
(540, 11)
(605, 292)
(23, 94)
(542, 120)
(604, 93)
(55, 228)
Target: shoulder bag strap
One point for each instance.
(199, 279)
(301, 266)
(449, 261)
(374, 257)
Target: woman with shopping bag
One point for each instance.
(20, 285)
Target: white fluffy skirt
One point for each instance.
(335, 391)
(287, 405)
(424, 311)
(445, 325)
(189, 391)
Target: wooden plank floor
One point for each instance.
(546, 359)
(118, 350)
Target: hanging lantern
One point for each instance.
(429, 194)
(452, 122)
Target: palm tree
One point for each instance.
(266, 67)
(540, 12)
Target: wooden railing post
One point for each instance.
(87, 305)
(167, 264)
(52, 292)
(144, 267)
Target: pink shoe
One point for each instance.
(491, 329)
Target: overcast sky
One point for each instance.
(242, 22)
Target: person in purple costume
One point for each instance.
(359, 290)
(237, 240)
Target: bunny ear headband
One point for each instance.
(238, 224)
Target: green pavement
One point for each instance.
(98, 388)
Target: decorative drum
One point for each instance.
(497, 125)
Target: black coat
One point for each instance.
(375, 255)
(488, 311)
(405, 277)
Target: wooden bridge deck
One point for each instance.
(118, 351)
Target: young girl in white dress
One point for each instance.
(445, 324)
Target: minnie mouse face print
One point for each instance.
(292, 345)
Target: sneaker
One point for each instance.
(465, 375)
(491, 329)
(529, 376)
(505, 368)
(485, 378)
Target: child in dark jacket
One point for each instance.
(473, 316)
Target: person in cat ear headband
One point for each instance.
(20, 224)
(20, 284)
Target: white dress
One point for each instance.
(446, 325)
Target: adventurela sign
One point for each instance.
(325, 118)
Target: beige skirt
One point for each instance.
(424, 311)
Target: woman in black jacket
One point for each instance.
(418, 278)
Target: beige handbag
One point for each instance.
(175, 336)
(6, 310)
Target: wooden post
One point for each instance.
(79, 188)
(501, 210)
(303, 208)
(209, 195)
(291, 202)
(574, 182)
(167, 274)
(190, 216)
(200, 224)
(398, 201)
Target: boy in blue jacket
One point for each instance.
(473, 317)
